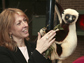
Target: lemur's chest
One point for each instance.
(62, 34)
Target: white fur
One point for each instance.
(68, 45)
(70, 42)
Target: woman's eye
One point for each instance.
(18, 23)
(24, 19)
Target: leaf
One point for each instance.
(58, 27)
(48, 52)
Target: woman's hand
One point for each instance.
(44, 42)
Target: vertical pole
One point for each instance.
(50, 14)
(50, 7)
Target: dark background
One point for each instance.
(36, 11)
(32, 8)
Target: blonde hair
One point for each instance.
(6, 21)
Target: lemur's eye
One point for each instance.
(67, 16)
(73, 17)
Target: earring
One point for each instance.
(10, 36)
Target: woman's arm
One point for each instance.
(36, 57)
(5, 59)
(4, 56)
(41, 46)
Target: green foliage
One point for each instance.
(48, 52)
(51, 48)
(58, 27)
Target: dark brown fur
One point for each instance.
(60, 36)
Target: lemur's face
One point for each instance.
(70, 16)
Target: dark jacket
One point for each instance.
(7, 56)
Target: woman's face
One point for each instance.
(20, 27)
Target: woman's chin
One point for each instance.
(27, 35)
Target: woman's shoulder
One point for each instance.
(4, 50)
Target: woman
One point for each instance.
(14, 48)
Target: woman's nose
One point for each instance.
(25, 23)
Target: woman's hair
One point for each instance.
(7, 19)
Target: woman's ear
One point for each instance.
(10, 32)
